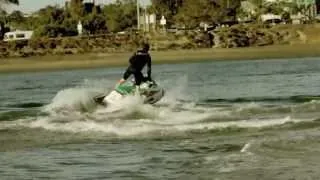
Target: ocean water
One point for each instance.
(218, 120)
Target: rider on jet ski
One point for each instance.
(136, 63)
(148, 88)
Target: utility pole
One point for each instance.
(146, 20)
(138, 15)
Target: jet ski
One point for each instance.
(150, 91)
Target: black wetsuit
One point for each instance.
(137, 63)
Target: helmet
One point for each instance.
(146, 46)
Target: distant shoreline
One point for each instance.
(86, 61)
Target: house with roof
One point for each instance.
(298, 10)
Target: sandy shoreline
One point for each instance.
(84, 61)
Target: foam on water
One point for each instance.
(73, 110)
(177, 92)
(148, 120)
(70, 100)
(79, 98)
(146, 126)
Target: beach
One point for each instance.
(101, 60)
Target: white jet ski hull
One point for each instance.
(149, 91)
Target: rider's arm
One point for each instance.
(127, 73)
(149, 66)
(133, 58)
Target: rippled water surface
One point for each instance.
(218, 120)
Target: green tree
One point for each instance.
(167, 8)
(120, 15)
(95, 24)
(6, 2)
(277, 7)
(53, 21)
(192, 13)
(111, 12)
(229, 9)
(16, 20)
(259, 9)
(76, 8)
(3, 13)
(70, 25)
(45, 15)
(16, 17)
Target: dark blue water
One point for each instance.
(218, 120)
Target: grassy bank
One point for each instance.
(84, 61)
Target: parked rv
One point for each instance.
(17, 35)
